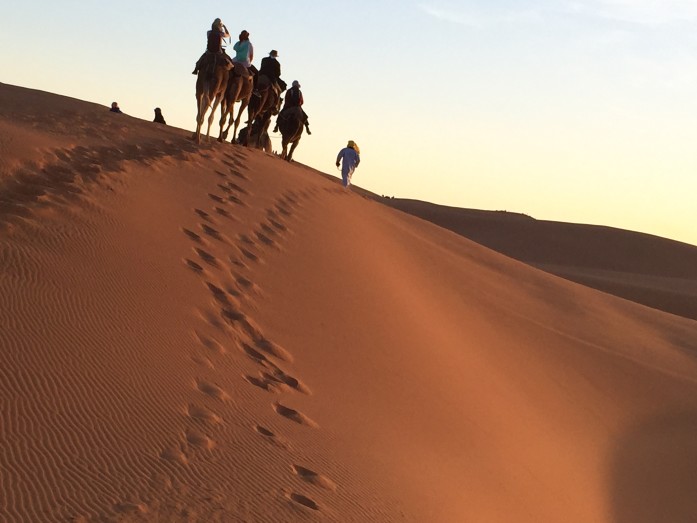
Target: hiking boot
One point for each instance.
(195, 71)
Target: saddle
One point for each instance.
(264, 83)
(211, 61)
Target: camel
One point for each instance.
(239, 89)
(258, 134)
(291, 126)
(262, 109)
(210, 87)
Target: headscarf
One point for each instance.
(353, 145)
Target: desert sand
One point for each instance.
(208, 333)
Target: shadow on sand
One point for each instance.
(654, 474)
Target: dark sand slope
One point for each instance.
(211, 334)
(650, 270)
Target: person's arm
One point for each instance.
(251, 52)
(338, 157)
(300, 98)
(358, 159)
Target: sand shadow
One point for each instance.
(654, 470)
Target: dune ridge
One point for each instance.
(650, 270)
(211, 334)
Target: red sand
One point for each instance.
(212, 334)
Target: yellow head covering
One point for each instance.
(353, 145)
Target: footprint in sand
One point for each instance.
(238, 173)
(210, 343)
(266, 240)
(315, 478)
(283, 210)
(216, 198)
(198, 413)
(275, 221)
(247, 285)
(193, 266)
(224, 188)
(175, 454)
(272, 438)
(204, 362)
(207, 257)
(253, 354)
(236, 200)
(211, 318)
(246, 239)
(273, 349)
(237, 188)
(303, 500)
(267, 229)
(249, 254)
(199, 440)
(204, 215)
(191, 234)
(280, 376)
(264, 383)
(294, 415)
(223, 212)
(221, 174)
(212, 390)
(238, 263)
(213, 233)
(233, 316)
(220, 295)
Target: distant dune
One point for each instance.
(654, 271)
(207, 333)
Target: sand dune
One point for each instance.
(211, 334)
(654, 271)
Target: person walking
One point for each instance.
(349, 157)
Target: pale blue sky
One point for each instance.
(580, 110)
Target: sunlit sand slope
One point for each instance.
(211, 334)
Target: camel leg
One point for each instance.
(230, 121)
(243, 106)
(292, 148)
(216, 102)
(225, 112)
(202, 107)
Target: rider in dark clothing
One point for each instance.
(294, 98)
(214, 45)
(271, 68)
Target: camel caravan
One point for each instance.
(224, 80)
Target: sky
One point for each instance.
(581, 111)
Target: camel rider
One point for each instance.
(271, 68)
(244, 55)
(294, 98)
(215, 43)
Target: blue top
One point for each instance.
(243, 50)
